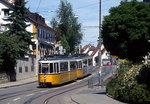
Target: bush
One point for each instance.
(131, 85)
(144, 76)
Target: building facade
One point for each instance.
(43, 37)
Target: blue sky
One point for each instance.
(87, 10)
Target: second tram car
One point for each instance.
(59, 70)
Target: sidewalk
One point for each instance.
(19, 82)
(93, 96)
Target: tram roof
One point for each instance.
(64, 57)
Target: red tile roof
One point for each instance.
(95, 51)
(84, 48)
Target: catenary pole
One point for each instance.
(99, 34)
(99, 44)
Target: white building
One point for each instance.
(4, 13)
(92, 51)
(43, 37)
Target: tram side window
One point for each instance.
(73, 65)
(85, 63)
(80, 64)
(90, 62)
(44, 68)
(63, 66)
(51, 68)
(56, 68)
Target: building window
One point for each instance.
(38, 33)
(6, 12)
(20, 69)
(41, 33)
(26, 69)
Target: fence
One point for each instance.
(95, 81)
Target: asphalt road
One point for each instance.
(31, 94)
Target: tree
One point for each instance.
(8, 54)
(68, 28)
(126, 30)
(17, 26)
(15, 42)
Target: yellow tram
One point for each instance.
(58, 70)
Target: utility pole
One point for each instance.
(99, 34)
(99, 44)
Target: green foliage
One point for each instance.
(128, 87)
(8, 54)
(65, 44)
(144, 76)
(17, 26)
(126, 30)
(67, 27)
(15, 42)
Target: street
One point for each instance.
(31, 94)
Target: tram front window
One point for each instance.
(44, 68)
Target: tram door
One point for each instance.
(45, 70)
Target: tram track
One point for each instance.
(63, 92)
(10, 95)
(34, 93)
(59, 91)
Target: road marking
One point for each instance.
(44, 91)
(16, 99)
(30, 94)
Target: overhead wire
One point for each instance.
(97, 3)
(38, 6)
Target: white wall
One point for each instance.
(23, 63)
(30, 27)
(2, 6)
(103, 56)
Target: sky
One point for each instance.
(87, 11)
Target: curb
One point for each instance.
(74, 100)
